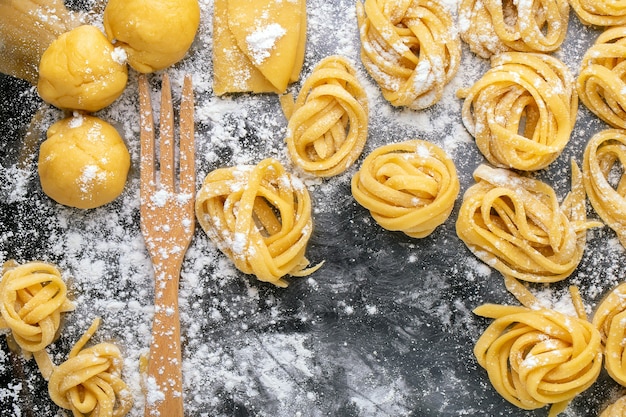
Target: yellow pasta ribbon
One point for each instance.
(89, 383)
(538, 357)
(617, 409)
(490, 27)
(601, 81)
(328, 123)
(600, 12)
(515, 225)
(610, 319)
(521, 112)
(410, 47)
(604, 151)
(260, 217)
(409, 187)
(33, 296)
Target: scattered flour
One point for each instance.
(387, 319)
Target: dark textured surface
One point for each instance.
(386, 326)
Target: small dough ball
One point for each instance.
(82, 70)
(83, 163)
(155, 34)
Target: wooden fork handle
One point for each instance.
(165, 387)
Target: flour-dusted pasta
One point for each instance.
(260, 217)
(490, 27)
(600, 12)
(538, 356)
(89, 383)
(516, 225)
(258, 45)
(410, 47)
(605, 156)
(328, 122)
(409, 187)
(610, 319)
(521, 112)
(33, 296)
(601, 82)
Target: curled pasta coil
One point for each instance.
(610, 319)
(328, 123)
(260, 217)
(617, 409)
(33, 296)
(410, 47)
(490, 27)
(515, 225)
(521, 112)
(409, 187)
(601, 82)
(89, 383)
(600, 12)
(604, 151)
(538, 357)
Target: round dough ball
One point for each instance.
(83, 163)
(155, 34)
(82, 70)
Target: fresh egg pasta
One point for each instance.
(33, 296)
(610, 319)
(260, 217)
(521, 112)
(605, 155)
(411, 48)
(538, 356)
(328, 122)
(409, 187)
(490, 27)
(89, 382)
(600, 12)
(601, 82)
(516, 225)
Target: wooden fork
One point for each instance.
(167, 225)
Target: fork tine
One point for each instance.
(166, 134)
(146, 134)
(187, 143)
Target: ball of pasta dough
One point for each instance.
(82, 70)
(155, 34)
(83, 163)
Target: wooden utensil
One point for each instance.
(167, 225)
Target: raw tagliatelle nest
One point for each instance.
(409, 187)
(260, 217)
(516, 225)
(521, 112)
(538, 357)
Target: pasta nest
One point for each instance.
(521, 112)
(260, 217)
(328, 123)
(411, 48)
(604, 157)
(602, 79)
(33, 298)
(610, 319)
(600, 13)
(89, 383)
(515, 225)
(617, 409)
(409, 187)
(536, 357)
(490, 27)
